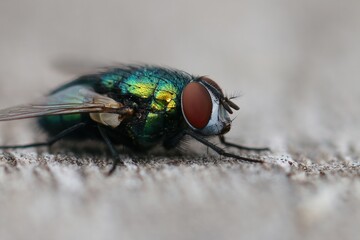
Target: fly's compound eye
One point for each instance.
(196, 105)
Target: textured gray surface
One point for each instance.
(296, 65)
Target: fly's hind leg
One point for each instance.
(223, 141)
(51, 141)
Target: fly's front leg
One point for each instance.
(223, 141)
(220, 150)
(115, 155)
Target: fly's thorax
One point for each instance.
(205, 108)
(162, 93)
(153, 88)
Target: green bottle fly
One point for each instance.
(136, 106)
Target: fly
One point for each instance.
(135, 106)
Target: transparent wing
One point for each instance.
(76, 99)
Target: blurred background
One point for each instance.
(295, 64)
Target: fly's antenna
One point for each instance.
(231, 104)
(228, 104)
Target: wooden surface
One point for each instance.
(295, 65)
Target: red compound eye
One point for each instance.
(196, 104)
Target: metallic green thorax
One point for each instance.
(153, 92)
(156, 93)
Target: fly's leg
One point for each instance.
(52, 140)
(114, 153)
(220, 150)
(223, 141)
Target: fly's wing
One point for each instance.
(76, 99)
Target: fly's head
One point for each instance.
(205, 108)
